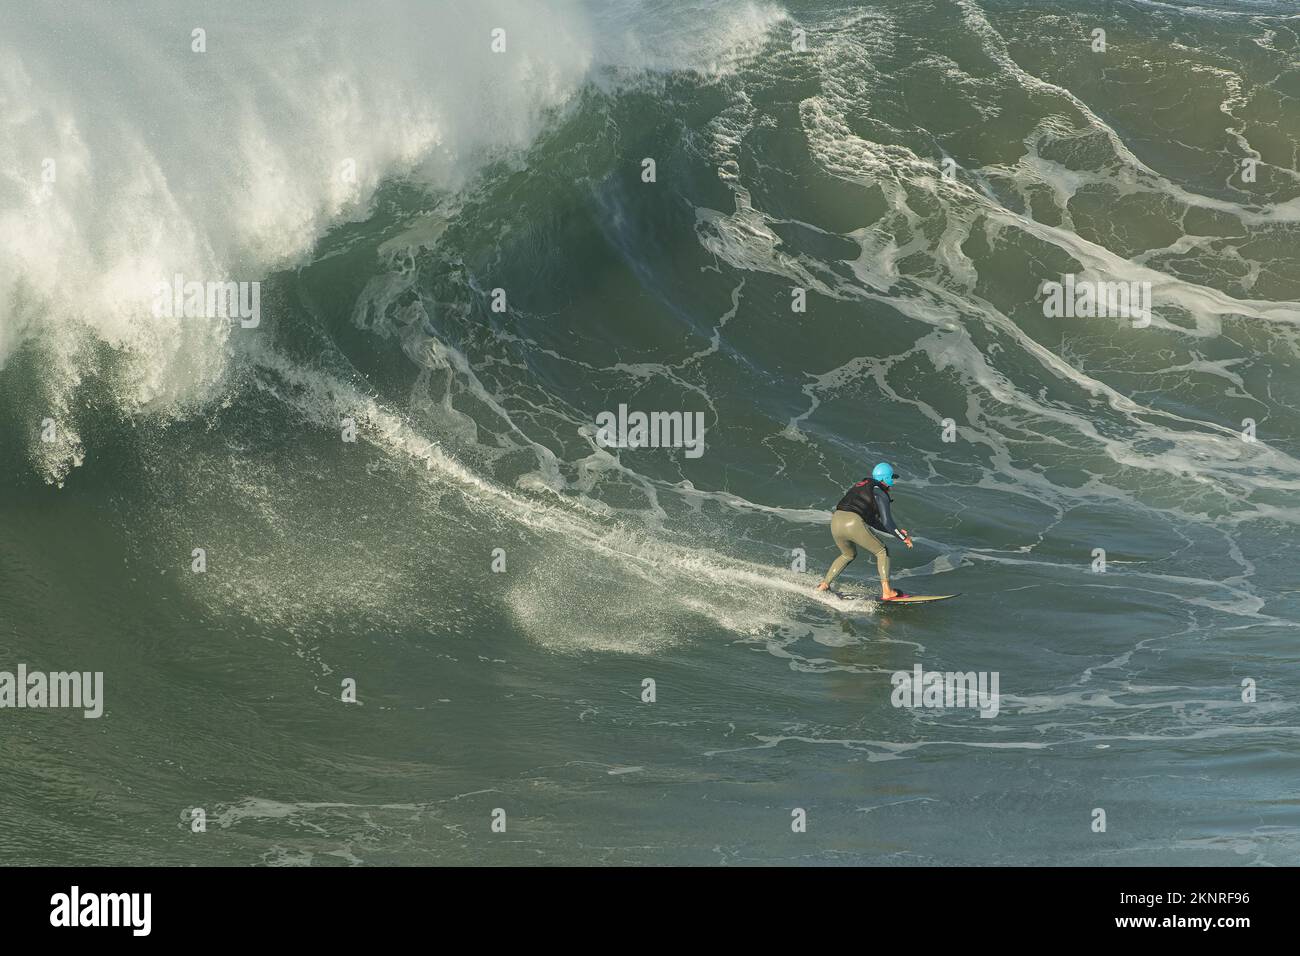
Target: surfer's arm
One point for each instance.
(887, 519)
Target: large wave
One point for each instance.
(127, 156)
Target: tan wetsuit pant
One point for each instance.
(851, 532)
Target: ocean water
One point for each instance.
(496, 584)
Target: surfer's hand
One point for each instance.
(907, 538)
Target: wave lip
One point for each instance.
(222, 144)
(132, 156)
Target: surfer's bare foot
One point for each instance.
(823, 586)
(888, 594)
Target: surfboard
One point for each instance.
(918, 598)
(854, 604)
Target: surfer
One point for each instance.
(864, 507)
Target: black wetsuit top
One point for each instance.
(869, 499)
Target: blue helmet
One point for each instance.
(884, 473)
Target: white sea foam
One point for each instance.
(229, 163)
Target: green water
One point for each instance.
(522, 690)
